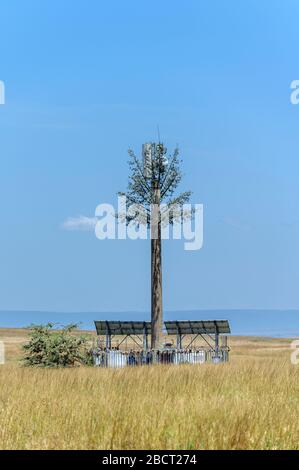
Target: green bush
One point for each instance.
(55, 348)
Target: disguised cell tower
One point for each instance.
(153, 180)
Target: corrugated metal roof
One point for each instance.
(190, 327)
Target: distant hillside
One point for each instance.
(275, 323)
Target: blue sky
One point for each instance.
(85, 81)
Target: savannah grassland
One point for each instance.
(250, 403)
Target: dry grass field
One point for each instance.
(250, 403)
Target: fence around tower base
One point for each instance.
(118, 359)
(181, 346)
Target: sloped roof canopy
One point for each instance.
(186, 327)
(122, 327)
(190, 327)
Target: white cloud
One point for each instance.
(82, 222)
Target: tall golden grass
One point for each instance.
(250, 403)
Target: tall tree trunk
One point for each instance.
(156, 274)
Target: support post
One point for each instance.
(156, 269)
(178, 338)
(145, 338)
(108, 337)
(216, 341)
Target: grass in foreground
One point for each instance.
(246, 404)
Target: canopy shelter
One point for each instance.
(138, 331)
(206, 329)
(126, 329)
(210, 328)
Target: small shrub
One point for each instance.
(50, 348)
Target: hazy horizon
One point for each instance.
(271, 323)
